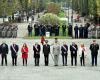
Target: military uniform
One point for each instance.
(64, 30)
(56, 52)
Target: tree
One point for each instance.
(53, 8)
(49, 18)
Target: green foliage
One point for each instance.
(61, 14)
(53, 8)
(49, 18)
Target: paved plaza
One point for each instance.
(50, 72)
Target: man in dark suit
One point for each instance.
(46, 51)
(64, 49)
(73, 50)
(14, 52)
(94, 47)
(4, 52)
(36, 49)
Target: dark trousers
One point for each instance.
(2, 60)
(46, 59)
(24, 61)
(36, 61)
(73, 56)
(82, 60)
(29, 33)
(94, 60)
(14, 61)
(64, 59)
(76, 35)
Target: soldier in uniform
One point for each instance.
(43, 30)
(35, 29)
(14, 32)
(46, 51)
(94, 47)
(56, 52)
(73, 50)
(64, 30)
(9, 32)
(36, 49)
(76, 31)
(1, 28)
(4, 52)
(4, 32)
(57, 30)
(29, 30)
(85, 31)
(81, 30)
(64, 52)
(70, 30)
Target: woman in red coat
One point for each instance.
(24, 51)
(42, 40)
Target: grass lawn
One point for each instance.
(51, 37)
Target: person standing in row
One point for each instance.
(82, 54)
(24, 51)
(64, 49)
(4, 52)
(56, 51)
(76, 31)
(46, 51)
(36, 49)
(73, 50)
(29, 30)
(94, 47)
(64, 29)
(14, 52)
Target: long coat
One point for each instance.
(94, 49)
(14, 50)
(46, 49)
(64, 49)
(24, 52)
(73, 49)
(4, 49)
(36, 49)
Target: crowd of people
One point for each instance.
(56, 30)
(40, 29)
(8, 30)
(57, 49)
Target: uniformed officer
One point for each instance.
(56, 52)
(64, 29)
(94, 47)
(35, 29)
(30, 30)
(81, 30)
(4, 52)
(4, 32)
(85, 31)
(70, 30)
(76, 31)
(46, 51)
